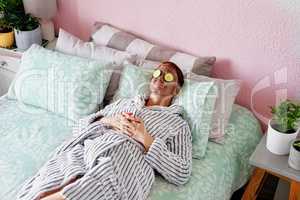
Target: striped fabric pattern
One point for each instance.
(112, 165)
(105, 34)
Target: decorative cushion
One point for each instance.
(67, 85)
(70, 44)
(105, 34)
(134, 81)
(227, 92)
(197, 98)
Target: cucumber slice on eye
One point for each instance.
(169, 77)
(156, 73)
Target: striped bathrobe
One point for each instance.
(110, 164)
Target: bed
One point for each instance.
(29, 135)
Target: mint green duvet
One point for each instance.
(28, 135)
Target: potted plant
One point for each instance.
(283, 127)
(26, 27)
(6, 31)
(294, 158)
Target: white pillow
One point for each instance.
(70, 44)
(147, 64)
(227, 92)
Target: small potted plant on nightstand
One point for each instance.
(283, 127)
(6, 31)
(26, 27)
(294, 158)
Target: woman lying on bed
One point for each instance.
(114, 152)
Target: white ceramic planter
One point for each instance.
(277, 142)
(24, 39)
(294, 158)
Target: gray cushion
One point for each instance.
(108, 35)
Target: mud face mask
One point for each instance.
(168, 77)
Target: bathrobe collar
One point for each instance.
(174, 108)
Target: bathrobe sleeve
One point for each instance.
(81, 124)
(84, 122)
(173, 159)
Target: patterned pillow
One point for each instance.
(105, 34)
(68, 43)
(67, 85)
(134, 81)
(227, 92)
(197, 98)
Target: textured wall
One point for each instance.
(257, 41)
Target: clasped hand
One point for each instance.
(132, 126)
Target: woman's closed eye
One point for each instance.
(167, 76)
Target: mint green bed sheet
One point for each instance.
(29, 135)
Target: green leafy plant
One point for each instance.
(16, 17)
(11, 5)
(4, 25)
(286, 116)
(24, 22)
(296, 145)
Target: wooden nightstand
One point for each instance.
(266, 162)
(9, 65)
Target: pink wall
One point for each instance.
(257, 41)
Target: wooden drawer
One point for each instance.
(9, 66)
(6, 77)
(9, 63)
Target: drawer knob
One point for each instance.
(3, 63)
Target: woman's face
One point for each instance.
(161, 87)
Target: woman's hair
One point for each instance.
(178, 71)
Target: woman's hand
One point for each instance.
(118, 122)
(55, 196)
(136, 129)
